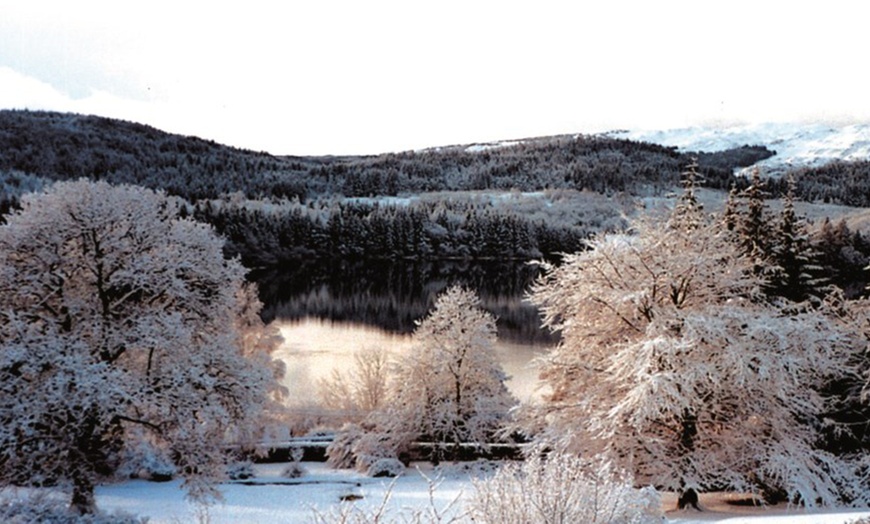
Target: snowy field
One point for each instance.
(272, 499)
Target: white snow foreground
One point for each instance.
(796, 145)
(271, 499)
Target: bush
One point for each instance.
(45, 509)
(340, 452)
(360, 446)
(294, 470)
(385, 467)
(240, 470)
(562, 488)
(143, 460)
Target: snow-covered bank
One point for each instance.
(272, 499)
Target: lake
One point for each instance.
(326, 312)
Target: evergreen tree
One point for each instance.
(794, 274)
(731, 212)
(752, 229)
(688, 210)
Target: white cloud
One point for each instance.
(23, 92)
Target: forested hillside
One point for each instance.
(60, 146)
(274, 209)
(840, 182)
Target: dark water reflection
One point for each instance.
(392, 295)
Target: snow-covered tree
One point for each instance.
(360, 390)
(687, 212)
(449, 389)
(117, 318)
(451, 384)
(729, 213)
(673, 366)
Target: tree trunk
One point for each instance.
(88, 460)
(83, 501)
(689, 430)
(688, 497)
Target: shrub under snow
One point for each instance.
(385, 467)
(241, 470)
(46, 509)
(146, 461)
(562, 488)
(361, 446)
(294, 470)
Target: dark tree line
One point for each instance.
(738, 157)
(839, 182)
(38, 147)
(59, 146)
(359, 231)
(799, 264)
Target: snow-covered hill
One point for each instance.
(796, 145)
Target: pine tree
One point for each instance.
(688, 211)
(794, 274)
(730, 214)
(752, 228)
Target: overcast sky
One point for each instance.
(323, 76)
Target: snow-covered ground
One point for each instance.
(270, 498)
(795, 144)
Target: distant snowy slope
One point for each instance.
(796, 145)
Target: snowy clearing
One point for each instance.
(272, 499)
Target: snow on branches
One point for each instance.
(672, 366)
(116, 314)
(452, 380)
(448, 390)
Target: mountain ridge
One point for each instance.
(831, 162)
(59, 146)
(797, 145)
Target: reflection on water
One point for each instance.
(314, 347)
(393, 295)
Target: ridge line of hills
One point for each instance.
(57, 146)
